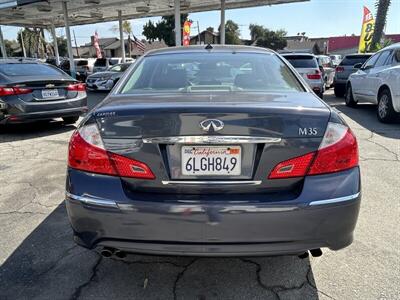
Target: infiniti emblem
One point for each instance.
(215, 124)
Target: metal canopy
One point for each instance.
(44, 13)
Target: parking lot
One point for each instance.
(40, 260)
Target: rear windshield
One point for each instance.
(100, 62)
(113, 61)
(28, 70)
(82, 63)
(354, 59)
(302, 61)
(194, 72)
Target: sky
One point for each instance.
(317, 18)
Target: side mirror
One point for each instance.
(357, 66)
(321, 68)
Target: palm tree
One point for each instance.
(382, 7)
(126, 29)
(34, 42)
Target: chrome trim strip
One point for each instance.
(211, 182)
(211, 139)
(335, 200)
(90, 200)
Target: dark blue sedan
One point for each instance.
(213, 151)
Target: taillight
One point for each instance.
(316, 75)
(16, 90)
(339, 69)
(338, 152)
(295, 167)
(87, 153)
(77, 87)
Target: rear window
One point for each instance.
(114, 61)
(28, 70)
(100, 62)
(354, 59)
(204, 72)
(302, 61)
(82, 63)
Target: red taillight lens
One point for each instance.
(339, 69)
(316, 75)
(86, 153)
(339, 156)
(9, 91)
(338, 152)
(77, 87)
(295, 167)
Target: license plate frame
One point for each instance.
(218, 160)
(50, 94)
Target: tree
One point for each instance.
(62, 46)
(232, 33)
(162, 30)
(263, 37)
(382, 7)
(126, 29)
(210, 29)
(34, 42)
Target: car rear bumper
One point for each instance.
(18, 111)
(318, 217)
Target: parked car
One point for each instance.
(31, 91)
(106, 80)
(336, 59)
(328, 69)
(378, 81)
(83, 67)
(344, 69)
(245, 161)
(102, 64)
(307, 66)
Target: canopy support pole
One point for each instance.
(55, 45)
(2, 45)
(69, 43)
(222, 26)
(178, 30)
(121, 36)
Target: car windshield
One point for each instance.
(302, 61)
(355, 59)
(28, 70)
(81, 63)
(113, 61)
(119, 68)
(202, 72)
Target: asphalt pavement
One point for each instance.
(40, 261)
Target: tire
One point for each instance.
(339, 91)
(70, 120)
(349, 99)
(385, 110)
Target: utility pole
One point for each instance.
(76, 45)
(198, 30)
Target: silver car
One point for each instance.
(307, 65)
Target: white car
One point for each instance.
(378, 81)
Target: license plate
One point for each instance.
(50, 93)
(211, 160)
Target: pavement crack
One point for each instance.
(78, 290)
(179, 276)
(369, 139)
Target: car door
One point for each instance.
(360, 80)
(375, 76)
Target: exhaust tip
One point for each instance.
(120, 254)
(106, 252)
(316, 252)
(303, 255)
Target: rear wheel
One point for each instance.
(339, 91)
(70, 120)
(386, 112)
(349, 99)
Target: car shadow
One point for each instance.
(365, 115)
(48, 265)
(16, 132)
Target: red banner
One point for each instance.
(96, 45)
(186, 33)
